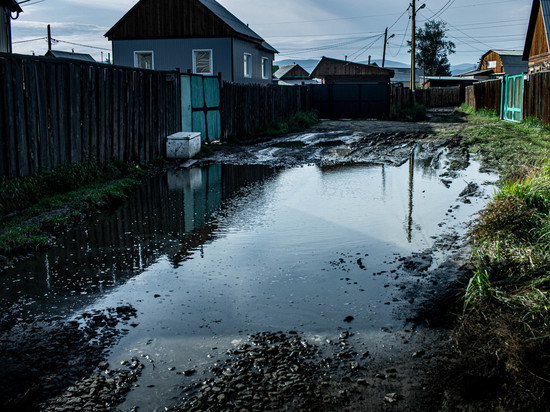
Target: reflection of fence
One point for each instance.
(58, 111)
(485, 95)
(431, 97)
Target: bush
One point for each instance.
(408, 112)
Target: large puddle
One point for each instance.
(210, 255)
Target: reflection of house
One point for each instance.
(293, 74)
(68, 55)
(333, 71)
(402, 76)
(197, 35)
(508, 62)
(537, 42)
(7, 7)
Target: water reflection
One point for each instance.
(169, 215)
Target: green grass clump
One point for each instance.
(408, 112)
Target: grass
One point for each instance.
(407, 112)
(507, 299)
(35, 209)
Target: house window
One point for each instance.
(144, 60)
(492, 64)
(266, 68)
(247, 65)
(202, 62)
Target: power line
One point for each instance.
(30, 40)
(79, 44)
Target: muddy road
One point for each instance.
(310, 272)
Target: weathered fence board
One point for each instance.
(536, 97)
(485, 95)
(59, 111)
(246, 107)
(431, 97)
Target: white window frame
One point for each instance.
(247, 68)
(138, 52)
(211, 72)
(491, 64)
(265, 68)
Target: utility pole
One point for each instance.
(386, 38)
(49, 38)
(413, 48)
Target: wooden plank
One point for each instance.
(43, 109)
(123, 115)
(30, 95)
(64, 113)
(101, 86)
(75, 113)
(86, 150)
(93, 113)
(20, 120)
(116, 113)
(109, 137)
(3, 125)
(53, 114)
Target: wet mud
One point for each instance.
(369, 338)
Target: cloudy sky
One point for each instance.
(299, 29)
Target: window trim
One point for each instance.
(266, 75)
(247, 66)
(138, 52)
(194, 58)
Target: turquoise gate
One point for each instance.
(512, 98)
(201, 105)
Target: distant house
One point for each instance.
(508, 62)
(197, 35)
(537, 42)
(478, 74)
(333, 71)
(7, 7)
(447, 81)
(293, 74)
(402, 76)
(69, 55)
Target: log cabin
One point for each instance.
(197, 35)
(508, 62)
(333, 71)
(536, 50)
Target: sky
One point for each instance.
(299, 29)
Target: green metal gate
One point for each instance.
(201, 105)
(512, 98)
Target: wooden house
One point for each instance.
(333, 71)
(7, 7)
(58, 54)
(508, 62)
(537, 42)
(292, 74)
(197, 35)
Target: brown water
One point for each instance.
(208, 256)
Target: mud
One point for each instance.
(62, 364)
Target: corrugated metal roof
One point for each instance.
(228, 18)
(68, 55)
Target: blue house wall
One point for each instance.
(169, 54)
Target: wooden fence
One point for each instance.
(59, 111)
(484, 95)
(432, 97)
(247, 107)
(536, 97)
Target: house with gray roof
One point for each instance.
(291, 75)
(7, 7)
(58, 54)
(200, 36)
(501, 62)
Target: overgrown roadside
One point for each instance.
(499, 356)
(34, 210)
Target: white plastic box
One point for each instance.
(183, 145)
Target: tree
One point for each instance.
(432, 48)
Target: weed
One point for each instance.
(408, 112)
(479, 289)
